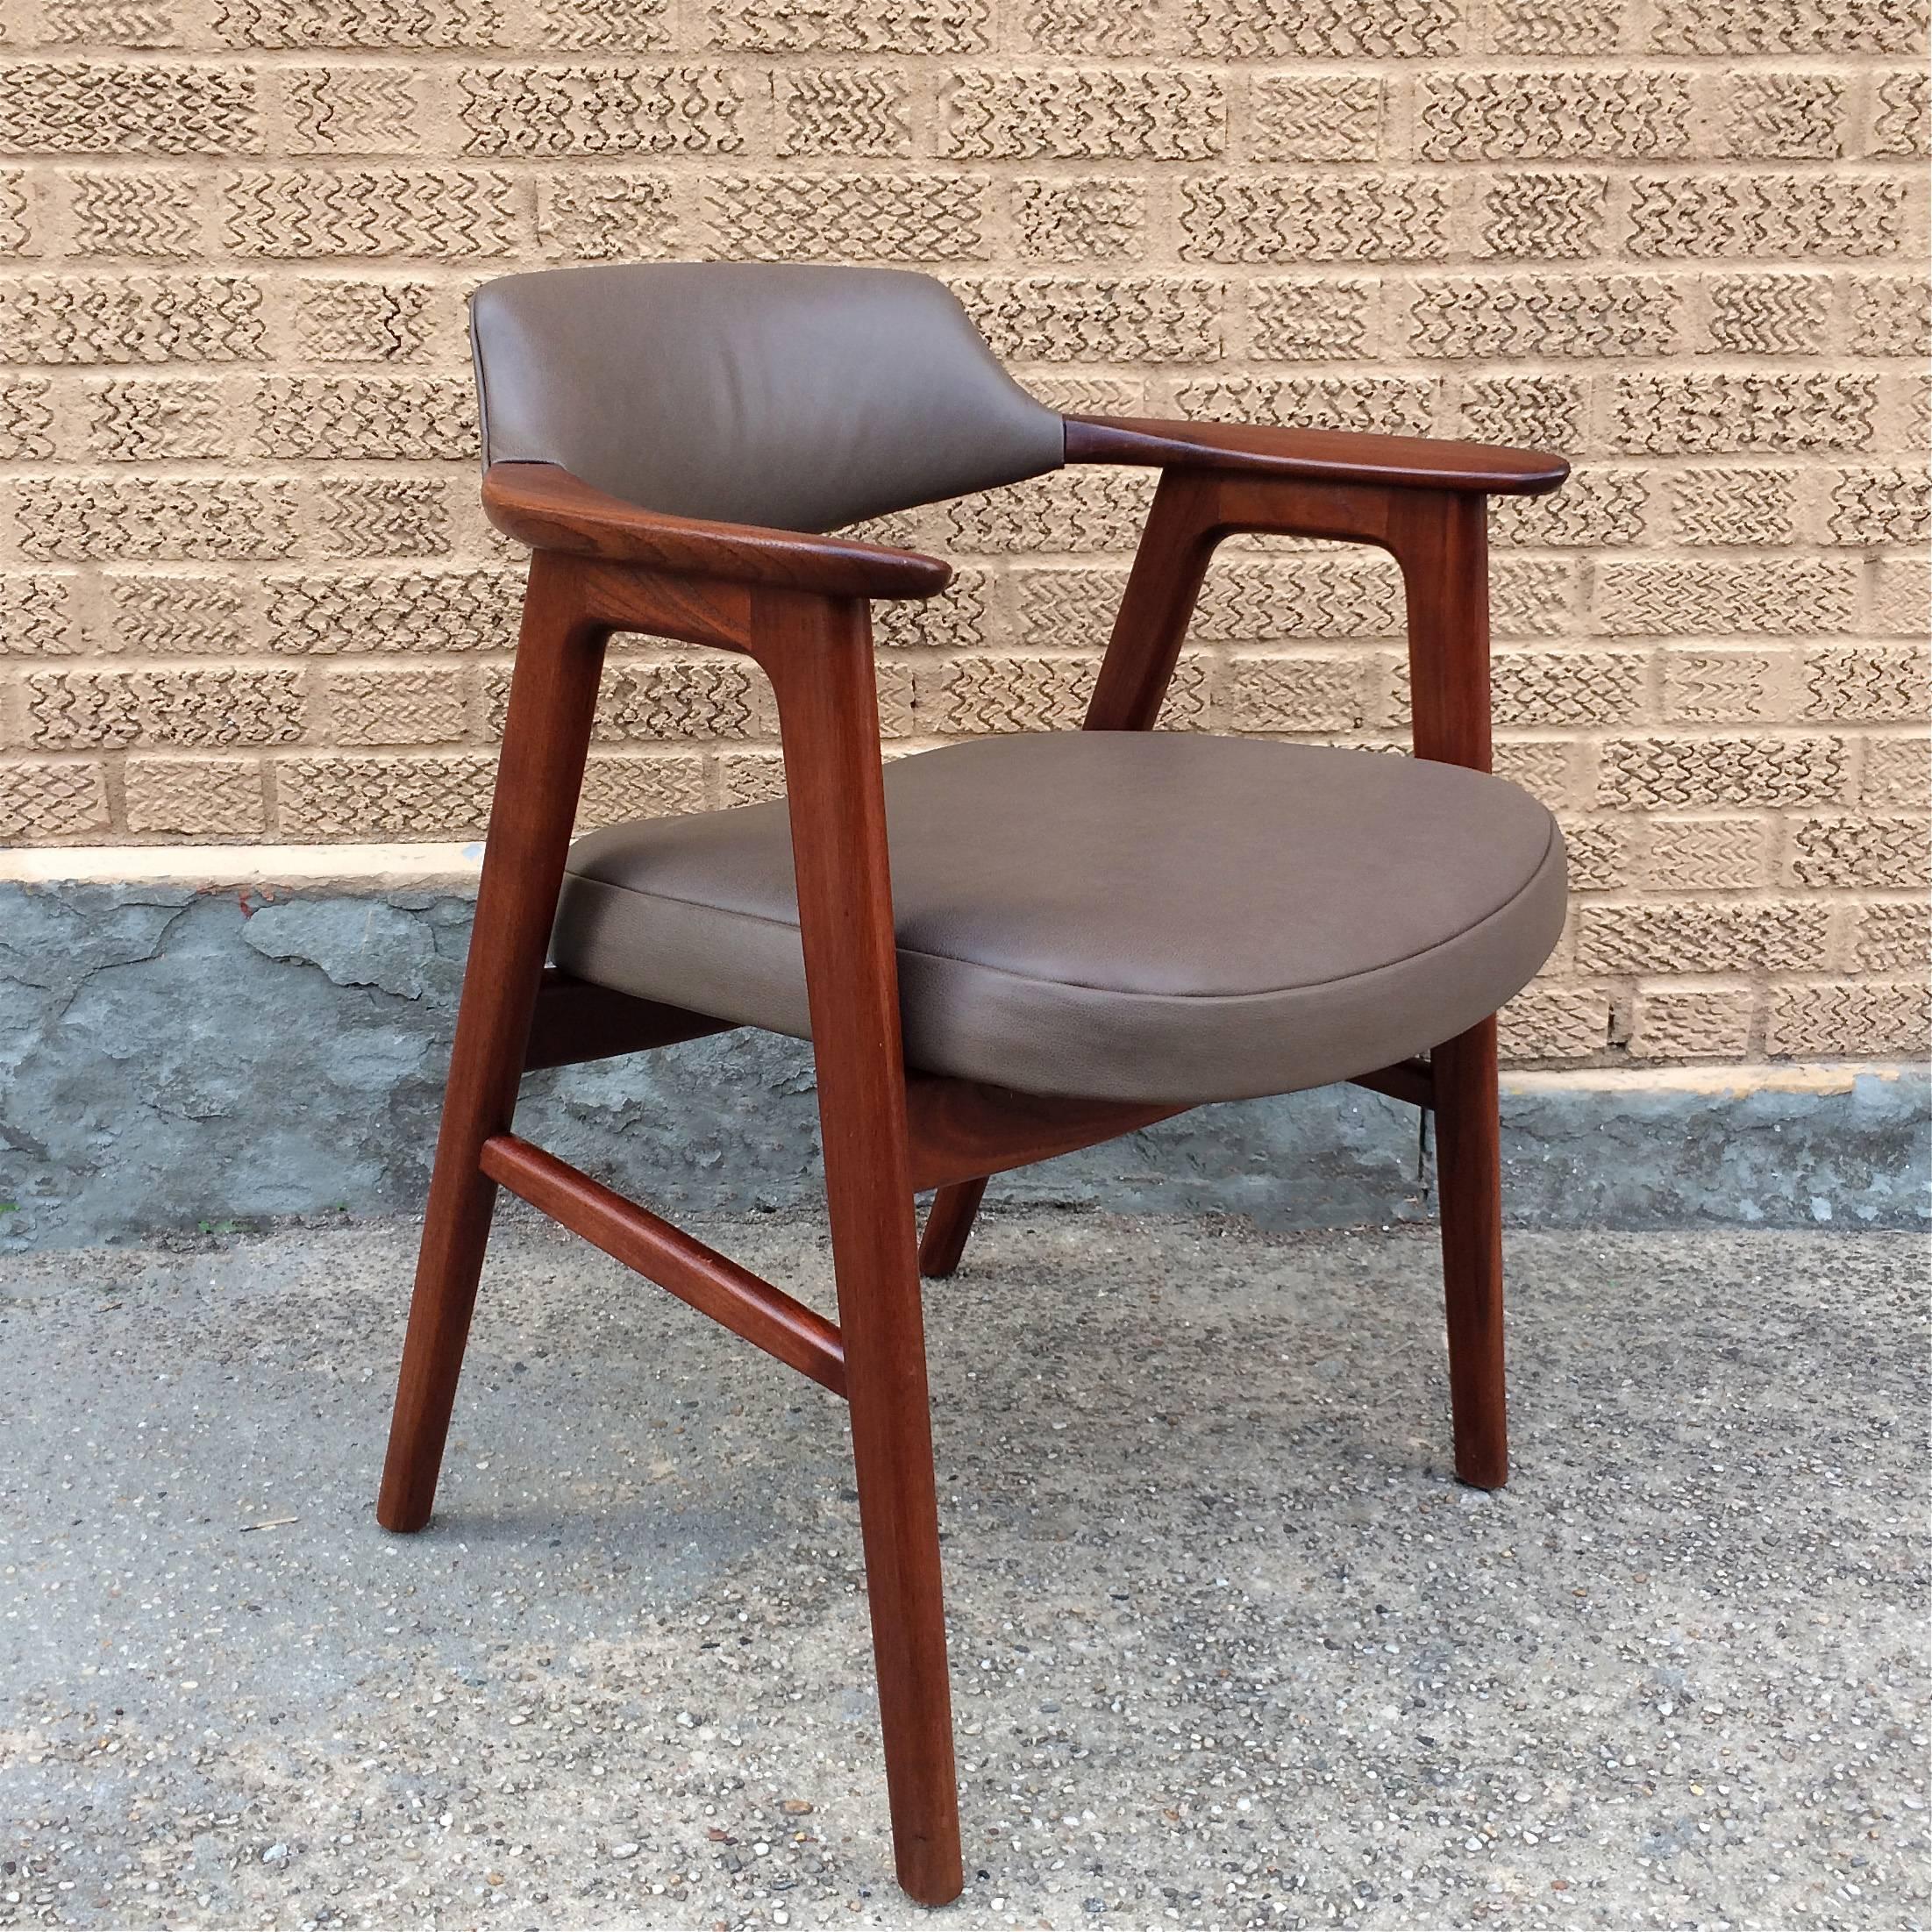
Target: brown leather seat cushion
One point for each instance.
(1149, 916)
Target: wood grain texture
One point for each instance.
(817, 653)
(949, 1222)
(546, 734)
(574, 1021)
(1314, 455)
(967, 1129)
(546, 507)
(710, 1282)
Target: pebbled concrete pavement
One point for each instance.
(1230, 1648)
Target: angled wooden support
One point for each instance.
(574, 1021)
(710, 1282)
(1410, 1081)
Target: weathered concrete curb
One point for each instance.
(172, 1055)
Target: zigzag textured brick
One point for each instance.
(1076, 394)
(1699, 1023)
(1703, 854)
(359, 22)
(1086, 113)
(1540, 765)
(1596, 509)
(1718, 687)
(352, 110)
(1292, 219)
(607, 216)
(1854, 681)
(847, 112)
(1789, 27)
(1069, 608)
(1011, 694)
(1554, 1024)
(1784, 116)
(1530, 411)
(92, 107)
(110, 23)
(14, 231)
(1891, 315)
(1584, 115)
(1716, 215)
(628, 25)
(1313, 321)
(198, 797)
(1531, 596)
(1862, 851)
(1318, 117)
(1245, 30)
(701, 698)
(1880, 506)
(295, 214)
(461, 608)
(1088, 26)
(1779, 596)
(130, 318)
(1669, 773)
(1733, 506)
(145, 419)
(1531, 217)
(958, 619)
(1599, 851)
(386, 706)
(751, 778)
(175, 615)
(1853, 1022)
(1768, 315)
(1301, 693)
(1711, 413)
(1565, 27)
(1897, 771)
(1079, 220)
(344, 417)
(621, 784)
(1101, 319)
(852, 26)
(345, 321)
(842, 217)
(1777, 936)
(37, 618)
(26, 421)
(1256, 600)
(1398, 404)
(1567, 686)
(1543, 316)
(70, 709)
(1901, 114)
(1069, 511)
(1901, 596)
(384, 517)
(158, 216)
(1893, 937)
(599, 110)
(39, 803)
(116, 519)
(375, 797)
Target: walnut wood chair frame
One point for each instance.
(797, 605)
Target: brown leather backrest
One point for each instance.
(797, 397)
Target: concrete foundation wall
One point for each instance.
(172, 1055)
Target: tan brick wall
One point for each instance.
(246, 593)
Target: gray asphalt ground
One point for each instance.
(1230, 1648)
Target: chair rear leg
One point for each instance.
(1469, 1176)
(949, 1222)
(546, 733)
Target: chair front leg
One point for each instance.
(818, 654)
(553, 699)
(1441, 541)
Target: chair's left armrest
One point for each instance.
(1315, 456)
(544, 506)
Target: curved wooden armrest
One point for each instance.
(547, 508)
(1328, 456)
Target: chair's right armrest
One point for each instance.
(544, 506)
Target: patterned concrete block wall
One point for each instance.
(246, 593)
